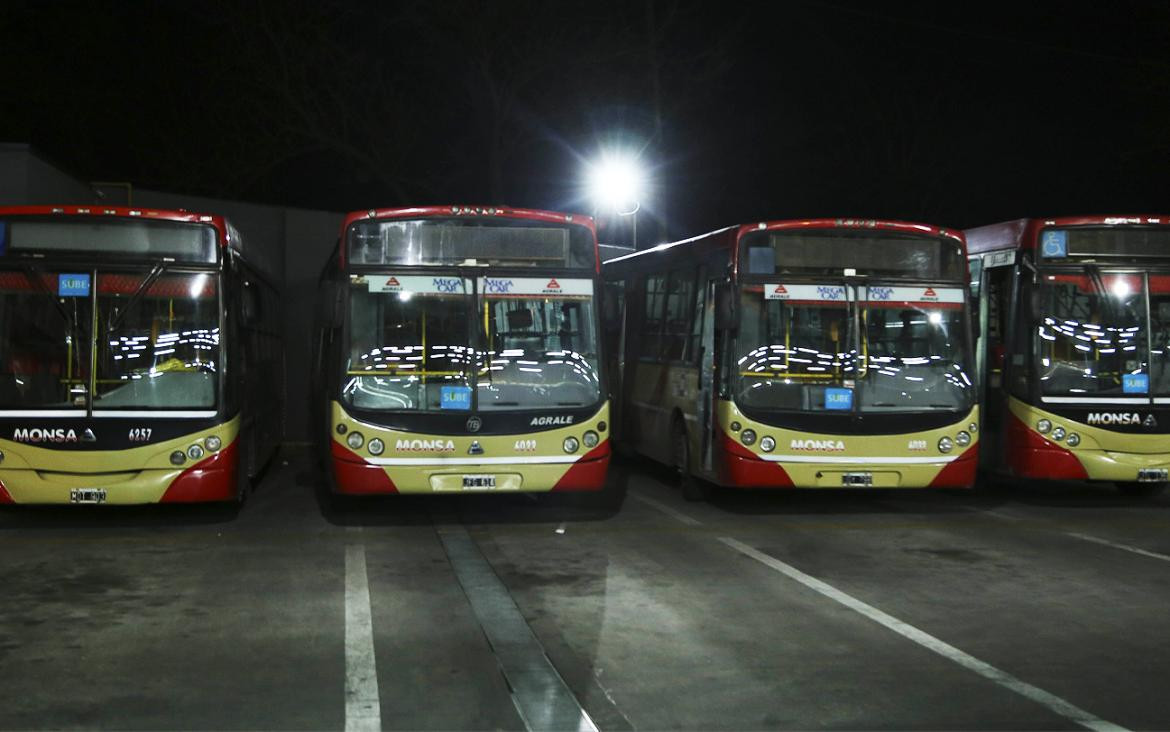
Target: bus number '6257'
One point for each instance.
(139, 434)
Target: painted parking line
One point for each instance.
(363, 710)
(1054, 703)
(1116, 545)
(673, 513)
(542, 698)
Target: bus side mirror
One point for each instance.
(330, 306)
(251, 304)
(725, 310)
(610, 312)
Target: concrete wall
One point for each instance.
(288, 245)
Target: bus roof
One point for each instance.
(125, 212)
(1022, 233)
(732, 234)
(415, 212)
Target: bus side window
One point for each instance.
(1022, 342)
(696, 329)
(652, 317)
(677, 323)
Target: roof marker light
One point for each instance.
(58, 210)
(135, 213)
(110, 211)
(454, 209)
(205, 218)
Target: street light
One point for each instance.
(615, 185)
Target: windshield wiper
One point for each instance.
(142, 288)
(36, 277)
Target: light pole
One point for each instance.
(615, 185)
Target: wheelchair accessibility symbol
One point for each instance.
(1054, 244)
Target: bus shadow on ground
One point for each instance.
(995, 492)
(106, 518)
(476, 508)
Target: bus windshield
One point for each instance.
(157, 341)
(1095, 337)
(841, 347)
(414, 343)
(541, 346)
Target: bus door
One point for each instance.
(996, 285)
(707, 420)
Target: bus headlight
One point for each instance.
(178, 458)
(1073, 439)
(591, 439)
(195, 452)
(354, 440)
(945, 444)
(748, 437)
(570, 444)
(962, 439)
(1043, 426)
(973, 427)
(767, 444)
(1058, 434)
(213, 443)
(376, 446)
(735, 426)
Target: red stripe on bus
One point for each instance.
(211, 479)
(5, 496)
(588, 473)
(744, 469)
(960, 472)
(1029, 455)
(352, 475)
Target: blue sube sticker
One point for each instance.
(838, 398)
(455, 397)
(3, 237)
(1054, 244)
(73, 285)
(1135, 383)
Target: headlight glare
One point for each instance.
(962, 439)
(376, 446)
(973, 427)
(590, 439)
(195, 452)
(570, 444)
(767, 444)
(748, 437)
(178, 458)
(213, 443)
(1058, 434)
(945, 444)
(1073, 439)
(355, 440)
(1043, 426)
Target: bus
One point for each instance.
(458, 352)
(140, 358)
(1075, 326)
(827, 353)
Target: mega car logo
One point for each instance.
(546, 421)
(1118, 418)
(817, 445)
(36, 434)
(493, 286)
(424, 446)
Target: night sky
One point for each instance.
(949, 113)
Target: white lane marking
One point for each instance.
(1051, 701)
(1115, 545)
(997, 514)
(674, 514)
(363, 710)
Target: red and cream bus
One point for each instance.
(459, 351)
(140, 357)
(810, 354)
(1073, 345)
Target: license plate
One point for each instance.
(87, 495)
(857, 480)
(478, 482)
(1152, 475)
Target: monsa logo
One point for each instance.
(424, 446)
(1118, 418)
(546, 421)
(24, 434)
(818, 445)
(494, 286)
